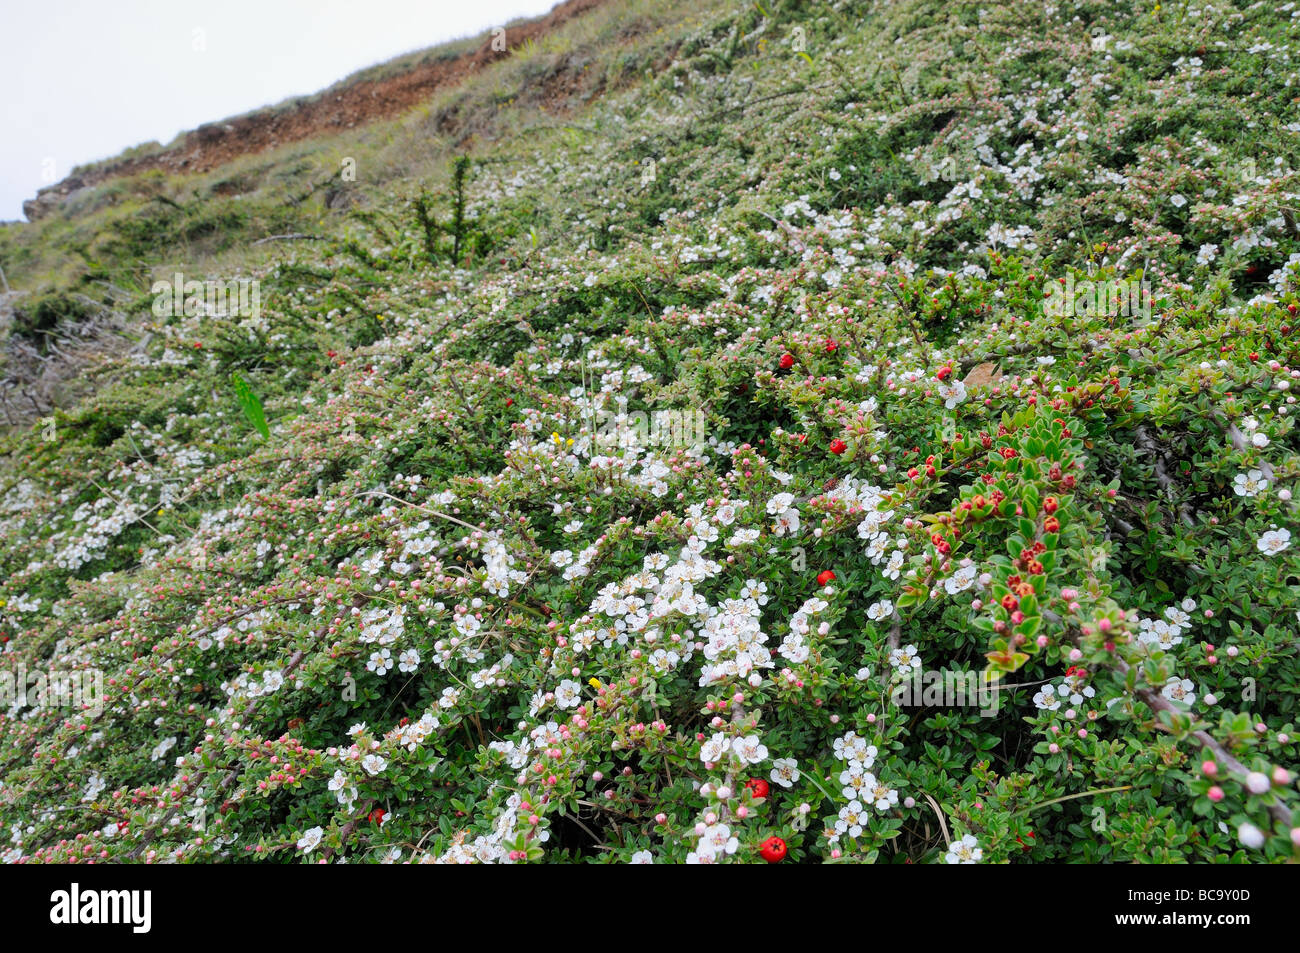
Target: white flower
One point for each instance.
(905, 658)
(1249, 484)
(1259, 439)
(785, 772)
(1257, 782)
(1077, 693)
(779, 503)
(1180, 690)
(952, 393)
(882, 796)
(373, 764)
(408, 661)
(567, 693)
(1046, 699)
(750, 749)
(1274, 541)
(850, 821)
(879, 611)
(713, 749)
(852, 748)
(877, 547)
(960, 581)
(1177, 201)
(642, 857)
(1251, 836)
(380, 662)
(716, 840)
(964, 851)
(310, 839)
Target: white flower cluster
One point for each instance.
(793, 647)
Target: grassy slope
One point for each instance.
(668, 244)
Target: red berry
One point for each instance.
(838, 446)
(787, 361)
(823, 578)
(943, 373)
(772, 850)
(758, 787)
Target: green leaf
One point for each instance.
(250, 405)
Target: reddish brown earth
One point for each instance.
(217, 143)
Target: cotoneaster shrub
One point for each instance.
(954, 574)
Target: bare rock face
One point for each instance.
(51, 197)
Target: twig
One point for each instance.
(1241, 444)
(1142, 437)
(290, 238)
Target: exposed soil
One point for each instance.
(215, 144)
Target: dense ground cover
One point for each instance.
(873, 432)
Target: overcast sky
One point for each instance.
(84, 79)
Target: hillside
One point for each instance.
(793, 432)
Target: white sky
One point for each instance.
(82, 80)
